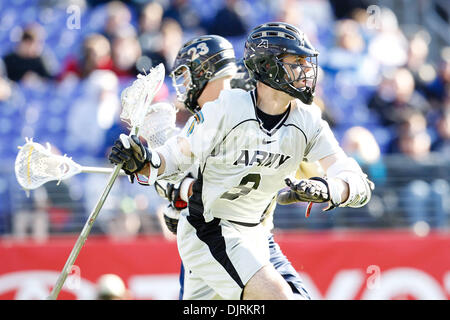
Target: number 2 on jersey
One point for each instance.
(243, 187)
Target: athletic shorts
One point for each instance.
(220, 255)
(197, 289)
(287, 271)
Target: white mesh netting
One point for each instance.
(36, 165)
(136, 99)
(159, 124)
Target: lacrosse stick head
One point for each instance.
(159, 124)
(137, 98)
(36, 165)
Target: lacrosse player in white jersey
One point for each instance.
(201, 88)
(246, 144)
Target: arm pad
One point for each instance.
(360, 188)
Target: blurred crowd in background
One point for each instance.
(384, 88)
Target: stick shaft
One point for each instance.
(88, 225)
(83, 235)
(100, 170)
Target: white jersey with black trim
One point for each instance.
(242, 165)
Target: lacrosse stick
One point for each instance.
(136, 103)
(159, 124)
(36, 165)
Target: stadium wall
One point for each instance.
(337, 265)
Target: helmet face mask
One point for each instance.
(182, 82)
(199, 61)
(266, 50)
(300, 77)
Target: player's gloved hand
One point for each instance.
(171, 217)
(176, 193)
(131, 152)
(313, 190)
(173, 195)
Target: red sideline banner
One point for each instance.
(337, 265)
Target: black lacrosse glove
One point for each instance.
(172, 212)
(171, 191)
(173, 194)
(171, 217)
(131, 152)
(313, 190)
(305, 190)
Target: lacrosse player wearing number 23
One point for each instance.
(247, 145)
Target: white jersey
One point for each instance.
(241, 165)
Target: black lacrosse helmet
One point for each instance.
(265, 48)
(242, 79)
(199, 61)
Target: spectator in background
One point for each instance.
(411, 124)
(96, 54)
(344, 8)
(348, 51)
(93, 113)
(292, 12)
(396, 95)
(5, 89)
(28, 58)
(172, 39)
(412, 138)
(389, 46)
(228, 21)
(359, 143)
(422, 193)
(5, 85)
(442, 143)
(418, 54)
(425, 74)
(118, 19)
(31, 217)
(415, 144)
(65, 214)
(120, 224)
(349, 59)
(150, 20)
(327, 115)
(188, 18)
(125, 53)
(439, 89)
(289, 12)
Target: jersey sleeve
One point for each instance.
(206, 128)
(321, 140)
